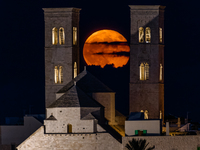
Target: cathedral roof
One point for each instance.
(75, 97)
(86, 82)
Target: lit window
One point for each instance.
(141, 35)
(74, 35)
(69, 128)
(144, 71)
(160, 35)
(141, 71)
(61, 36)
(54, 36)
(148, 35)
(160, 114)
(75, 69)
(56, 74)
(161, 70)
(146, 114)
(60, 74)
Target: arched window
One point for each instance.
(54, 36)
(141, 35)
(60, 74)
(141, 71)
(74, 35)
(56, 74)
(160, 114)
(160, 35)
(148, 35)
(61, 36)
(161, 70)
(146, 114)
(75, 69)
(144, 71)
(69, 128)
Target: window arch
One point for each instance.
(141, 35)
(160, 114)
(56, 74)
(141, 71)
(75, 69)
(161, 72)
(60, 74)
(146, 114)
(160, 35)
(144, 71)
(69, 128)
(148, 35)
(61, 36)
(74, 35)
(54, 36)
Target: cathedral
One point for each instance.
(80, 109)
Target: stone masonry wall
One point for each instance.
(94, 141)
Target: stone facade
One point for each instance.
(64, 55)
(108, 101)
(92, 141)
(147, 94)
(65, 116)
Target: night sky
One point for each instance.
(22, 52)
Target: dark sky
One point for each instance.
(22, 52)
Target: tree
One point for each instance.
(138, 145)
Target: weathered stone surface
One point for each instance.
(60, 55)
(93, 141)
(147, 94)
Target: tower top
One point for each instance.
(51, 10)
(147, 7)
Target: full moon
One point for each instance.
(106, 47)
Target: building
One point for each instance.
(80, 110)
(13, 134)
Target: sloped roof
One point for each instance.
(86, 82)
(75, 97)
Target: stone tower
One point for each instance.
(61, 49)
(147, 60)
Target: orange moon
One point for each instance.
(106, 47)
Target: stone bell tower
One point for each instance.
(61, 49)
(147, 60)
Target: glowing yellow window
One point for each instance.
(56, 74)
(54, 36)
(60, 74)
(74, 35)
(61, 36)
(141, 35)
(160, 35)
(141, 71)
(148, 35)
(144, 71)
(146, 114)
(75, 69)
(161, 70)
